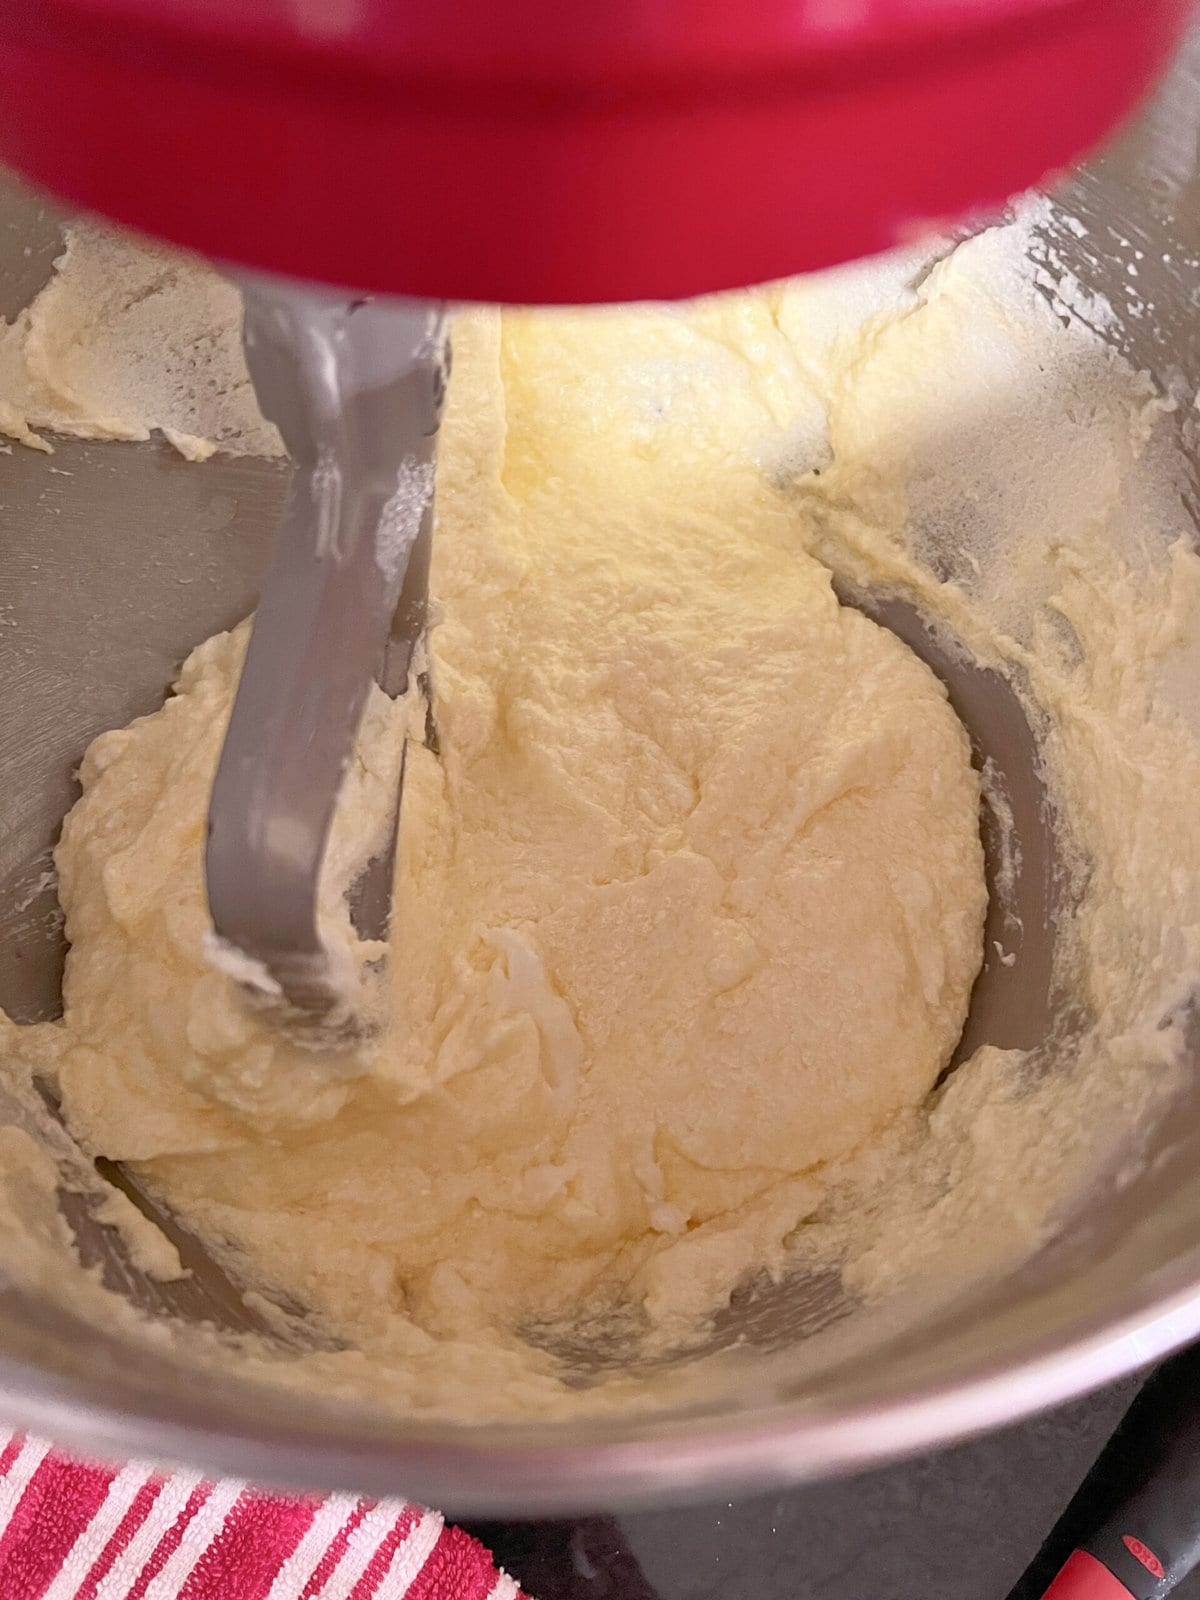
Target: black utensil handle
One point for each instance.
(1132, 1532)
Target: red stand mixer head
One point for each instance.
(550, 150)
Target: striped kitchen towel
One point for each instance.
(74, 1530)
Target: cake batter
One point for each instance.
(688, 907)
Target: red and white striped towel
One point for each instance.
(74, 1530)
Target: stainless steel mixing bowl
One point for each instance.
(116, 559)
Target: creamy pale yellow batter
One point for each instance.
(688, 906)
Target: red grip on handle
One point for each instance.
(1085, 1578)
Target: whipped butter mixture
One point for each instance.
(689, 904)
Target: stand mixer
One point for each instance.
(566, 169)
(539, 153)
(641, 151)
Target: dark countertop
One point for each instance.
(959, 1524)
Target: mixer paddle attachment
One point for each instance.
(355, 388)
